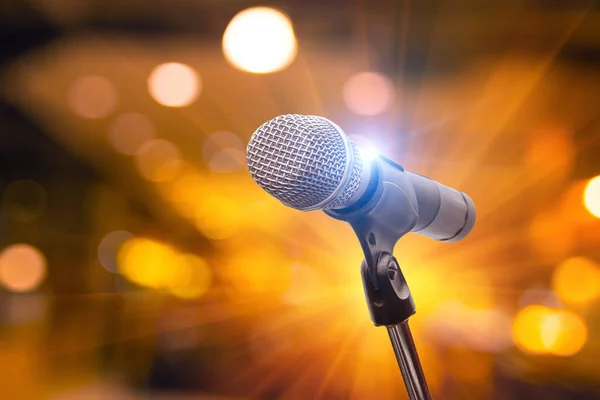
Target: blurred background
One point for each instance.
(140, 261)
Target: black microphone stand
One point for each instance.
(388, 297)
(391, 304)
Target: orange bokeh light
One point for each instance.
(92, 96)
(369, 93)
(22, 267)
(564, 333)
(527, 328)
(577, 280)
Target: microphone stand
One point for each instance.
(390, 303)
(379, 223)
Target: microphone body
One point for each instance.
(308, 163)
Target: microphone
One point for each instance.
(309, 163)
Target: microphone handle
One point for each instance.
(445, 214)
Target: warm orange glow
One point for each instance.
(218, 217)
(527, 328)
(24, 200)
(260, 40)
(469, 366)
(129, 131)
(564, 333)
(542, 234)
(551, 152)
(191, 277)
(591, 196)
(159, 161)
(92, 97)
(258, 270)
(369, 93)
(174, 84)
(577, 280)
(186, 193)
(22, 267)
(573, 205)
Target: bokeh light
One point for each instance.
(260, 40)
(129, 131)
(157, 265)
(577, 280)
(368, 93)
(527, 328)
(22, 267)
(92, 96)
(174, 84)
(159, 160)
(192, 277)
(564, 333)
(591, 196)
(24, 200)
(108, 247)
(147, 262)
(224, 152)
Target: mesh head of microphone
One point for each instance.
(303, 161)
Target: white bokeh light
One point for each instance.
(174, 84)
(260, 40)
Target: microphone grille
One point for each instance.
(302, 160)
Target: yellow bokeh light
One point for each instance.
(159, 266)
(564, 333)
(577, 280)
(527, 328)
(147, 262)
(22, 267)
(92, 96)
(174, 84)
(192, 277)
(159, 161)
(129, 132)
(260, 40)
(591, 196)
(368, 93)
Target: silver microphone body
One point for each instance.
(308, 163)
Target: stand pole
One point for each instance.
(408, 361)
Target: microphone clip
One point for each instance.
(388, 213)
